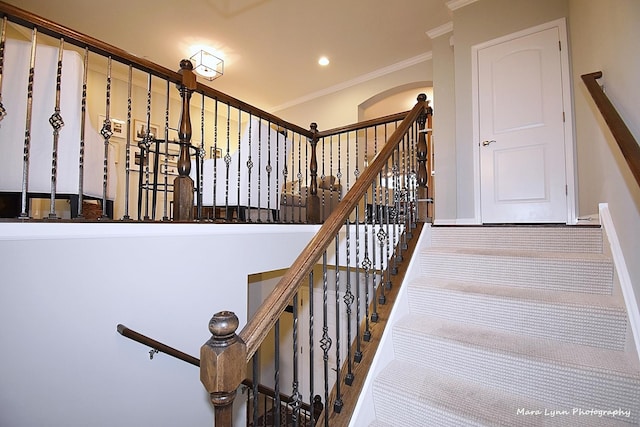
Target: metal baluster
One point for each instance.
(269, 169)
(357, 357)
(106, 133)
(215, 162)
(239, 154)
(259, 183)
(165, 205)
(337, 404)
(285, 172)
(276, 374)
(249, 168)
(323, 176)
(325, 342)
(3, 37)
(127, 161)
(83, 120)
(295, 393)
(300, 177)
(348, 296)
(311, 345)
(256, 380)
(366, 261)
(56, 123)
(27, 131)
(227, 160)
(388, 207)
(144, 149)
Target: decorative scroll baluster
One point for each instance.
(106, 133)
(145, 153)
(313, 201)
(27, 128)
(83, 121)
(325, 341)
(348, 296)
(127, 160)
(3, 37)
(220, 373)
(215, 163)
(183, 184)
(227, 161)
(249, 168)
(357, 357)
(56, 123)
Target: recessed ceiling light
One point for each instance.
(324, 61)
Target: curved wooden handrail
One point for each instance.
(623, 136)
(45, 26)
(269, 312)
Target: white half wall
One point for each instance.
(65, 288)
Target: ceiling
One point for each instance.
(270, 47)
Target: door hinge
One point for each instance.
(566, 190)
(563, 117)
(559, 45)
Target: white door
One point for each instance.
(521, 130)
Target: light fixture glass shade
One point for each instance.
(207, 65)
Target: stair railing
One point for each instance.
(623, 136)
(225, 357)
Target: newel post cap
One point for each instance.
(223, 358)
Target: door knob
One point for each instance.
(486, 143)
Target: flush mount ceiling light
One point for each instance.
(324, 61)
(207, 65)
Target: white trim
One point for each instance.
(457, 4)
(441, 30)
(569, 141)
(427, 56)
(623, 274)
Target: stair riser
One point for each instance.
(565, 386)
(592, 326)
(568, 275)
(552, 239)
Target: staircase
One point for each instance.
(510, 326)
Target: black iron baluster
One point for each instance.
(276, 374)
(3, 38)
(165, 193)
(227, 161)
(27, 130)
(106, 134)
(83, 120)
(215, 154)
(348, 296)
(56, 123)
(311, 345)
(127, 159)
(239, 154)
(145, 144)
(256, 381)
(296, 397)
(325, 342)
(337, 404)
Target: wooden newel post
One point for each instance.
(183, 184)
(223, 361)
(422, 175)
(313, 201)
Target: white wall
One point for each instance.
(65, 287)
(604, 37)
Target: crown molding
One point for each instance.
(354, 82)
(457, 4)
(441, 30)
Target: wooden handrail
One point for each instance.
(623, 136)
(364, 124)
(269, 312)
(157, 345)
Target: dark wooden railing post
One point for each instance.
(183, 184)
(313, 201)
(223, 362)
(422, 174)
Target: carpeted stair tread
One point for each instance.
(573, 355)
(539, 238)
(589, 319)
(573, 272)
(430, 398)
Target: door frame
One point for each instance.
(569, 140)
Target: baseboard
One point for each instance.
(623, 274)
